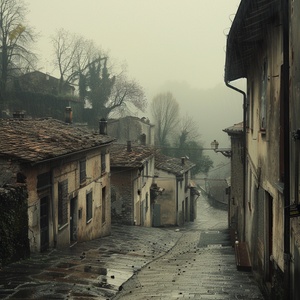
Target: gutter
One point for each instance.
(69, 154)
(244, 150)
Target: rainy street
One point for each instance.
(200, 266)
(193, 262)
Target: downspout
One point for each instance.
(177, 219)
(286, 192)
(244, 150)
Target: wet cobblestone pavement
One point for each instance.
(195, 262)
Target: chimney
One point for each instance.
(68, 115)
(129, 149)
(103, 127)
(182, 160)
(143, 139)
(18, 114)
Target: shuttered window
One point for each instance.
(62, 203)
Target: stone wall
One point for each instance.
(14, 243)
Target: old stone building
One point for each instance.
(132, 172)
(66, 172)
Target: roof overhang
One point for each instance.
(247, 33)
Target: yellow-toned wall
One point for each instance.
(68, 169)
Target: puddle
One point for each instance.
(65, 265)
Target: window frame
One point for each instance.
(89, 206)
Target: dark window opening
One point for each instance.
(89, 206)
(62, 203)
(103, 205)
(44, 181)
(82, 171)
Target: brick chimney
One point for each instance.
(68, 115)
(183, 160)
(103, 126)
(143, 139)
(129, 149)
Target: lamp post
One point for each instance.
(225, 151)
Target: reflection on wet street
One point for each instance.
(191, 262)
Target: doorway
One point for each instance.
(44, 223)
(73, 220)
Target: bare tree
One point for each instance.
(72, 56)
(188, 131)
(126, 93)
(15, 40)
(165, 111)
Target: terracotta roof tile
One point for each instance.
(35, 140)
(121, 157)
(171, 164)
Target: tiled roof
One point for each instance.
(235, 129)
(172, 165)
(121, 157)
(35, 140)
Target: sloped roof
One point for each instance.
(36, 140)
(248, 30)
(172, 165)
(235, 129)
(121, 157)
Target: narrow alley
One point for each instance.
(193, 262)
(200, 266)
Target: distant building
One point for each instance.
(39, 82)
(67, 174)
(132, 171)
(132, 129)
(177, 203)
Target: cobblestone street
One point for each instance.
(200, 266)
(193, 262)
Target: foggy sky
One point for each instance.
(165, 43)
(161, 40)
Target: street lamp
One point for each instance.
(225, 151)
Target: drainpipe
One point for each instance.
(244, 150)
(286, 192)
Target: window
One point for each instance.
(103, 205)
(147, 201)
(44, 181)
(62, 203)
(82, 171)
(89, 206)
(103, 162)
(186, 179)
(263, 96)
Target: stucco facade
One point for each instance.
(263, 46)
(68, 191)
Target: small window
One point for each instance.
(103, 205)
(147, 201)
(44, 181)
(62, 203)
(82, 171)
(89, 206)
